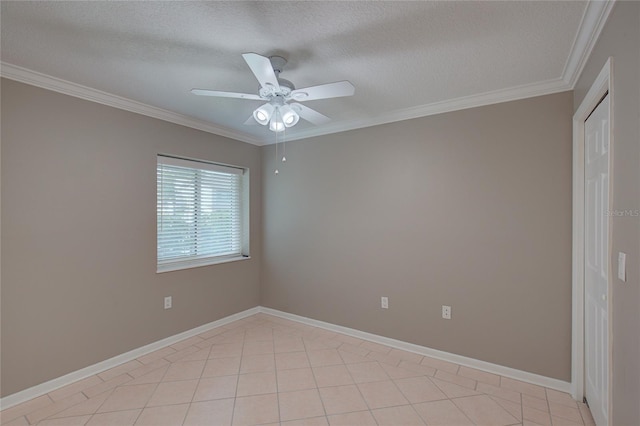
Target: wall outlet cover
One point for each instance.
(446, 312)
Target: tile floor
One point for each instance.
(264, 370)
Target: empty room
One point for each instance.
(320, 213)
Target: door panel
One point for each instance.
(597, 260)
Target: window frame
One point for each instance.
(188, 262)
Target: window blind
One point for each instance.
(199, 211)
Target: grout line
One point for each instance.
(546, 397)
(361, 394)
(137, 417)
(584, 422)
(235, 398)
(463, 413)
(275, 373)
(317, 389)
(197, 384)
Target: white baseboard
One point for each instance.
(67, 379)
(512, 373)
(46, 387)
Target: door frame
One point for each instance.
(600, 87)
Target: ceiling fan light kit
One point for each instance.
(279, 112)
(289, 117)
(276, 124)
(263, 114)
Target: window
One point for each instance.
(200, 213)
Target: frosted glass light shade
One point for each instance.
(263, 114)
(289, 116)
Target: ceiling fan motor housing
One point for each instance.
(278, 63)
(286, 87)
(269, 92)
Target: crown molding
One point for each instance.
(595, 16)
(34, 78)
(483, 99)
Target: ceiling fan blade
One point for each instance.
(205, 92)
(250, 121)
(323, 91)
(262, 69)
(309, 114)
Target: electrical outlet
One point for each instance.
(384, 302)
(167, 302)
(446, 312)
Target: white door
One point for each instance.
(596, 261)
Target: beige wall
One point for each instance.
(620, 39)
(470, 209)
(79, 233)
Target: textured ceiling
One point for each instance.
(402, 57)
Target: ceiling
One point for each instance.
(406, 59)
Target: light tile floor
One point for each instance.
(265, 370)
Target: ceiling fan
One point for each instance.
(280, 111)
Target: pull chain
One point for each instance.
(284, 144)
(276, 171)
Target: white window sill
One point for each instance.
(197, 263)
